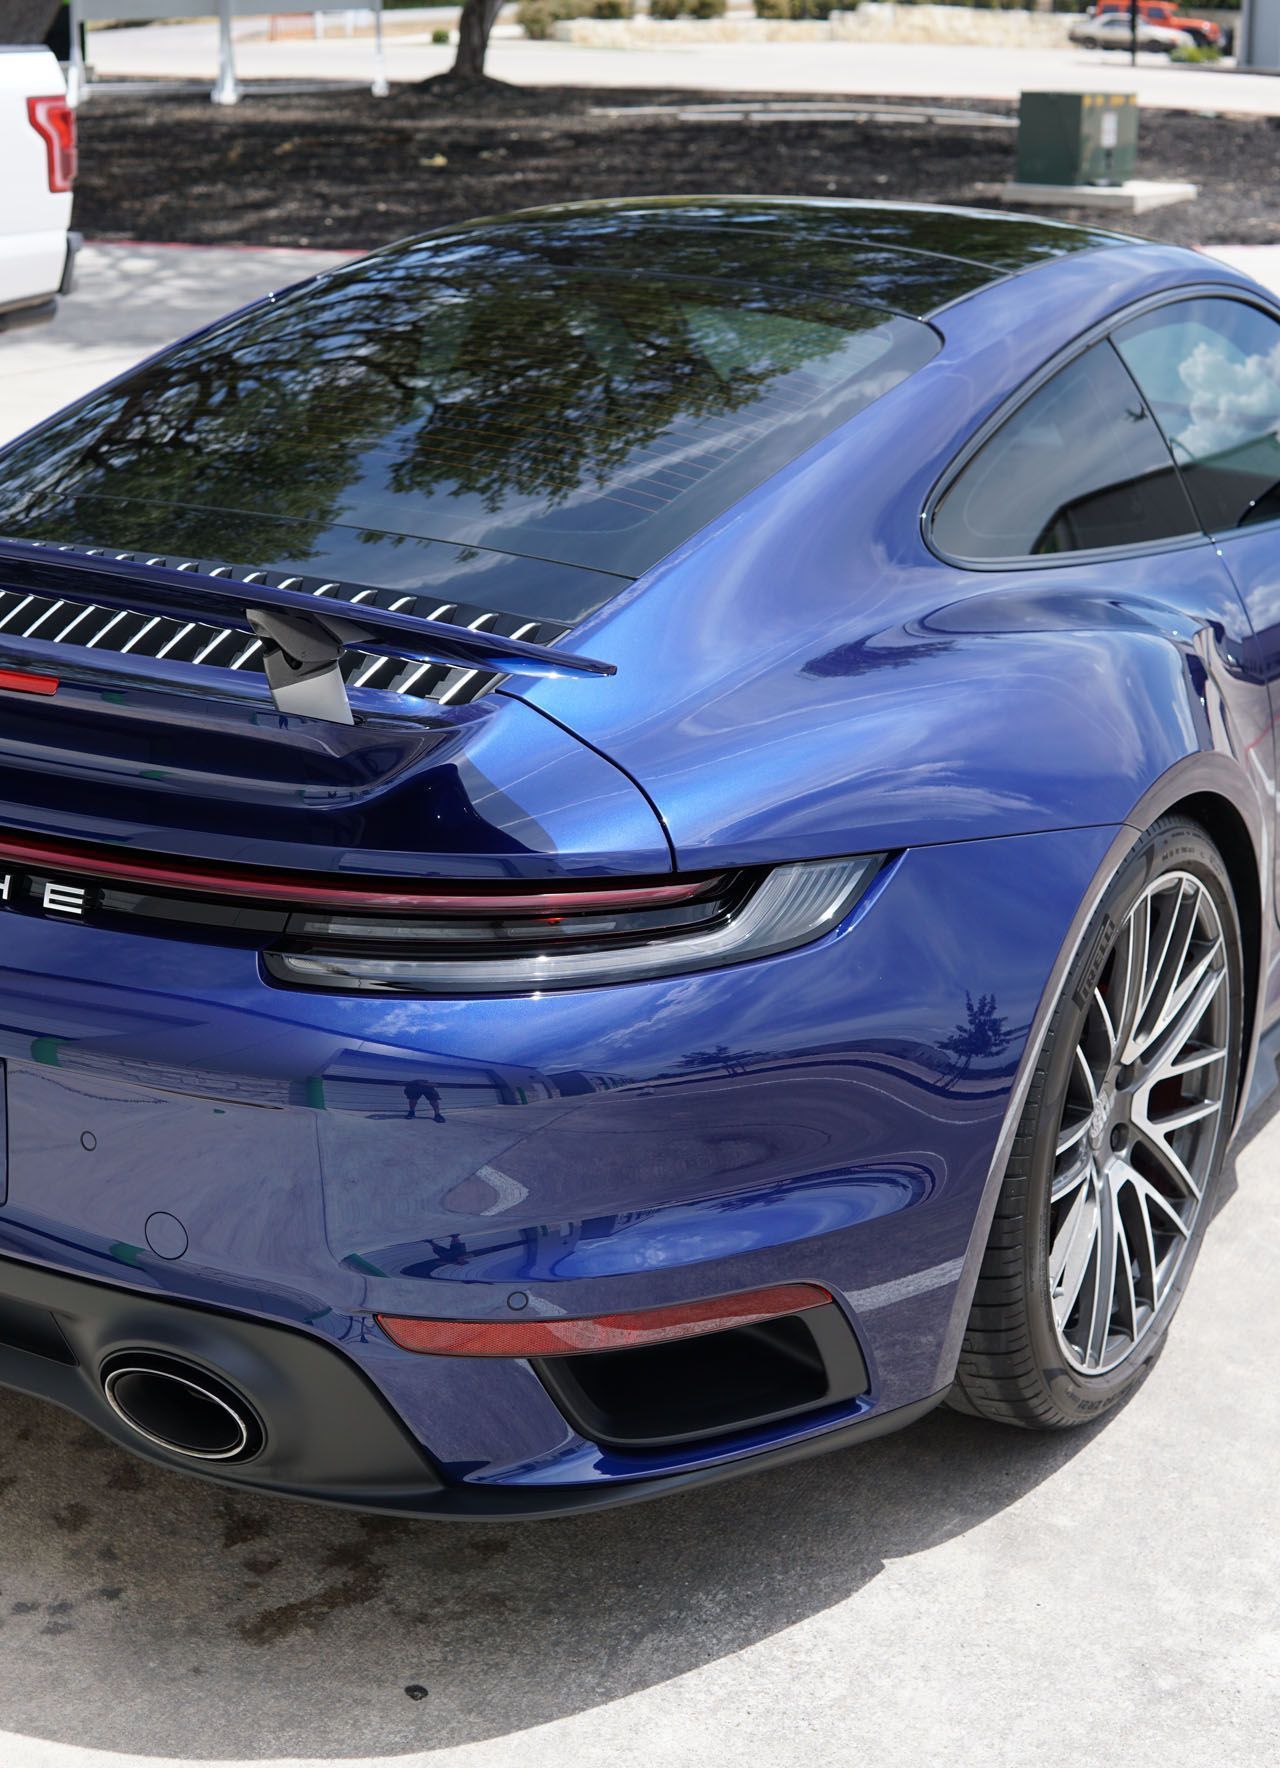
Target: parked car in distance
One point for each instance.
(1115, 30)
(38, 154)
(1159, 12)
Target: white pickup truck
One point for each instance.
(37, 169)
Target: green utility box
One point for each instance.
(1077, 137)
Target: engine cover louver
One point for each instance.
(54, 622)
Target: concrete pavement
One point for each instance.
(885, 69)
(1262, 263)
(129, 301)
(958, 1596)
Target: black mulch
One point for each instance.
(344, 169)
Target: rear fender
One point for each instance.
(1201, 776)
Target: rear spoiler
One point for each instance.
(303, 637)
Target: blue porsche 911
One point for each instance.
(636, 840)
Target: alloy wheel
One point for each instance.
(1141, 1122)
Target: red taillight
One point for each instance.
(22, 681)
(298, 889)
(600, 1332)
(55, 122)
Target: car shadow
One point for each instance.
(155, 1615)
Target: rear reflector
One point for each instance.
(21, 681)
(600, 1332)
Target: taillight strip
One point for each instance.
(299, 889)
(23, 681)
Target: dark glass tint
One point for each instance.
(464, 391)
(1080, 465)
(903, 258)
(998, 242)
(1210, 370)
(808, 252)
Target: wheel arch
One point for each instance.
(1211, 790)
(1226, 828)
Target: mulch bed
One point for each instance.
(344, 169)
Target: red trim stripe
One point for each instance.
(468, 899)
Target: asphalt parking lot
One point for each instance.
(956, 1595)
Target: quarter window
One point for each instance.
(1210, 370)
(1080, 465)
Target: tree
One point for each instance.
(27, 21)
(477, 21)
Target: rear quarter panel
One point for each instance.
(808, 678)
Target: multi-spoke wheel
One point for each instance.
(1122, 1137)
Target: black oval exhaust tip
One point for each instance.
(181, 1407)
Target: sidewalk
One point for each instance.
(883, 69)
(129, 301)
(1262, 263)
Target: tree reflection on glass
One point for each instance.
(464, 391)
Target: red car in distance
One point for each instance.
(1161, 12)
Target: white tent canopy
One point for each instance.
(225, 89)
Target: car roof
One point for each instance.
(908, 258)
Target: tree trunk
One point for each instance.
(26, 21)
(478, 18)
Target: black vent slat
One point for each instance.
(193, 643)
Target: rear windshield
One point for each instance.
(460, 391)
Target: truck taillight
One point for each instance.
(55, 122)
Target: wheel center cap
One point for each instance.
(1100, 1116)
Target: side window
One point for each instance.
(1210, 369)
(1081, 464)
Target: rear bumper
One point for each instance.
(18, 311)
(75, 241)
(19, 315)
(330, 1437)
(329, 1433)
(266, 1171)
